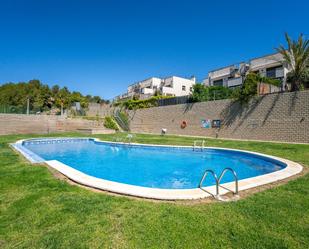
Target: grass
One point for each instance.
(39, 211)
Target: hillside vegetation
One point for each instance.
(41, 96)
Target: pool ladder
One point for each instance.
(126, 140)
(218, 180)
(196, 145)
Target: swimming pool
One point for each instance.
(147, 168)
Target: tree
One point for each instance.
(200, 93)
(78, 97)
(248, 89)
(206, 93)
(42, 97)
(62, 99)
(94, 99)
(296, 55)
(55, 89)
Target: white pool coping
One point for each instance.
(291, 169)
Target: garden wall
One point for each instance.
(42, 124)
(95, 109)
(273, 117)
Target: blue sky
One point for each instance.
(100, 47)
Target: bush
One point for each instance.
(249, 89)
(206, 93)
(110, 123)
(132, 104)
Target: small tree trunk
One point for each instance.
(61, 109)
(294, 86)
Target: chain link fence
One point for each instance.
(13, 109)
(10, 109)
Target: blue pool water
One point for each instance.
(156, 167)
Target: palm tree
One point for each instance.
(297, 57)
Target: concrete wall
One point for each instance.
(95, 109)
(274, 117)
(42, 124)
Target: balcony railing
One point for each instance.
(279, 73)
(220, 72)
(266, 61)
(147, 91)
(234, 82)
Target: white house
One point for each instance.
(177, 86)
(145, 88)
(170, 86)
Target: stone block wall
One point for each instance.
(42, 124)
(95, 109)
(273, 117)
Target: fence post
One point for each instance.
(28, 106)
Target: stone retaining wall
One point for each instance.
(273, 117)
(95, 109)
(42, 124)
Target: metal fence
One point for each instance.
(174, 101)
(212, 95)
(10, 109)
(73, 110)
(13, 109)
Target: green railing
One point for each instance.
(12, 109)
(17, 110)
(122, 120)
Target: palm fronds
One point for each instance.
(296, 55)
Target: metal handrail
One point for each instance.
(117, 140)
(129, 138)
(125, 140)
(119, 120)
(195, 144)
(235, 176)
(214, 175)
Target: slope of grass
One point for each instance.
(39, 211)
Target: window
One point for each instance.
(184, 88)
(218, 82)
(272, 72)
(191, 89)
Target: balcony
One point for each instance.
(234, 82)
(220, 73)
(147, 91)
(266, 61)
(168, 91)
(276, 72)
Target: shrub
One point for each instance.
(248, 89)
(132, 104)
(206, 93)
(110, 123)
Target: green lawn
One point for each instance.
(39, 211)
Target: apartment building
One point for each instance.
(170, 86)
(145, 88)
(271, 66)
(230, 76)
(177, 86)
